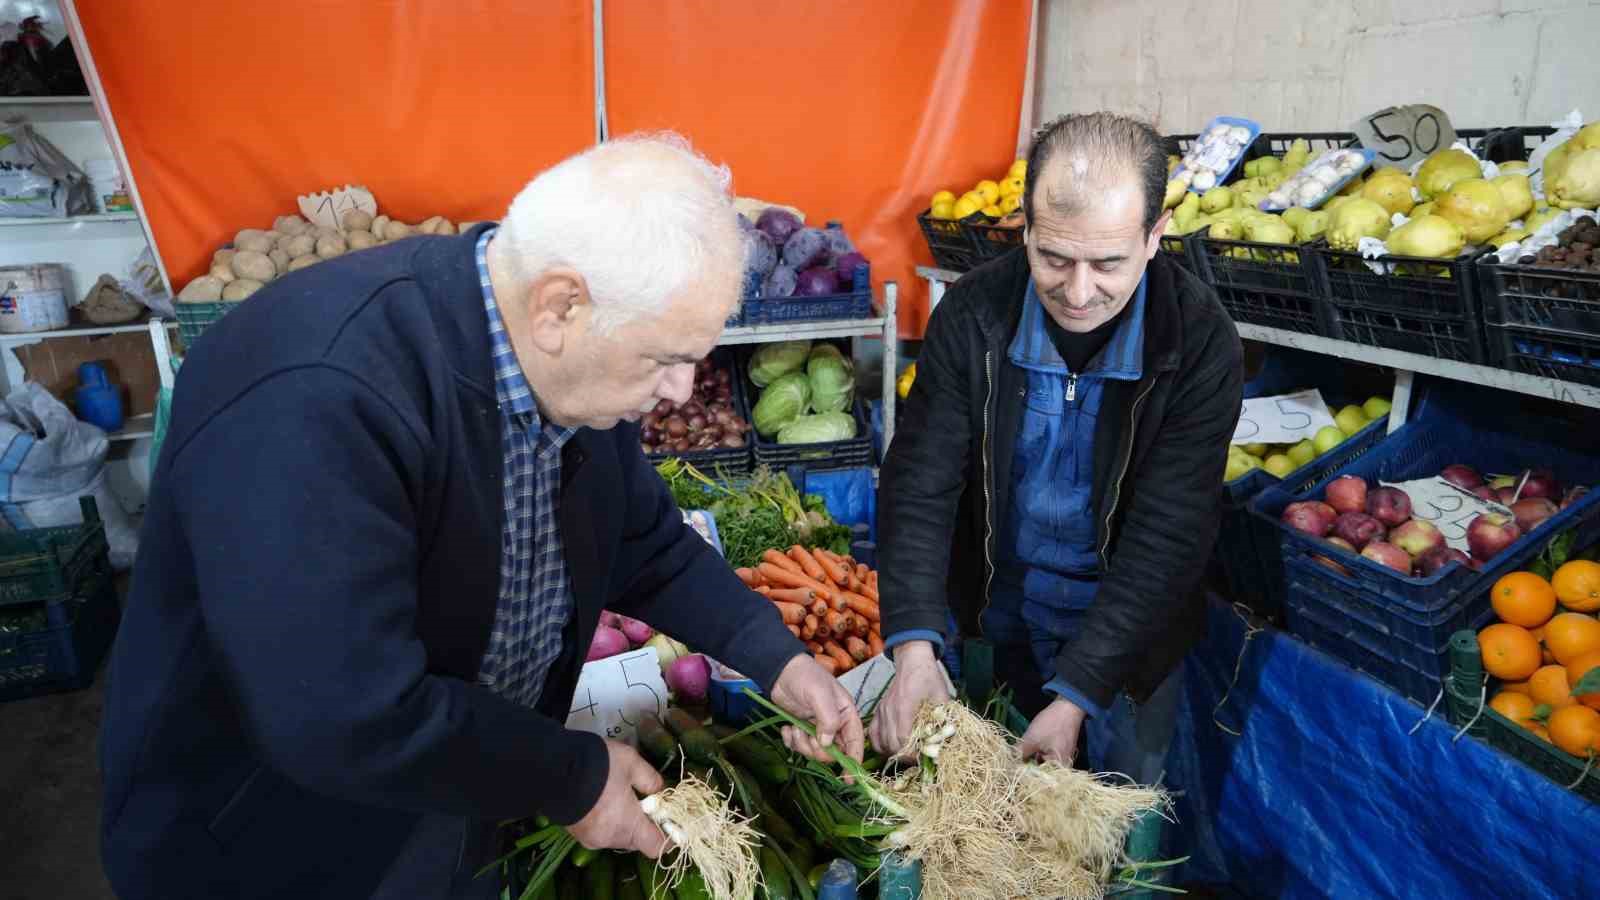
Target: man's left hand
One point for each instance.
(1053, 733)
(809, 692)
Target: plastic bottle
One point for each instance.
(99, 401)
(109, 187)
(838, 882)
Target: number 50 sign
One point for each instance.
(1401, 135)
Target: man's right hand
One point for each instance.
(918, 676)
(616, 821)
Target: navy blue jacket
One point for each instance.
(293, 683)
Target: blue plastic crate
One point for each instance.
(854, 304)
(1422, 448)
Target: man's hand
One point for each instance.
(918, 676)
(809, 692)
(1053, 733)
(616, 822)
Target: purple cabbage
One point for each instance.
(845, 268)
(816, 281)
(761, 255)
(805, 248)
(838, 244)
(781, 283)
(744, 223)
(778, 224)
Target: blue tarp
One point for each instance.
(1325, 794)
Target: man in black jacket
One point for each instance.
(1055, 481)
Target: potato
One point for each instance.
(356, 220)
(397, 230)
(445, 226)
(300, 245)
(379, 224)
(241, 289)
(430, 225)
(204, 289)
(222, 272)
(224, 256)
(290, 225)
(253, 265)
(280, 259)
(253, 240)
(300, 262)
(323, 231)
(329, 247)
(360, 240)
(465, 227)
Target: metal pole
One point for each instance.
(601, 129)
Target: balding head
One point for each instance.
(1078, 158)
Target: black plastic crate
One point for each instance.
(1546, 354)
(951, 244)
(1504, 143)
(57, 645)
(855, 303)
(732, 460)
(993, 239)
(1424, 306)
(1277, 143)
(846, 454)
(1263, 284)
(1176, 248)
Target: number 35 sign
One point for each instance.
(1287, 419)
(612, 694)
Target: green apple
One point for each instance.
(1237, 466)
(1256, 450)
(1303, 452)
(1327, 438)
(1375, 407)
(1279, 465)
(1350, 419)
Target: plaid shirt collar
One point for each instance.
(510, 385)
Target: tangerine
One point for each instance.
(1575, 672)
(1577, 585)
(1575, 729)
(1538, 635)
(1549, 687)
(1516, 707)
(1571, 635)
(1514, 687)
(1523, 598)
(1510, 653)
(1539, 731)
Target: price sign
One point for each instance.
(1401, 135)
(1287, 419)
(1449, 508)
(867, 682)
(326, 208)
(612, 694)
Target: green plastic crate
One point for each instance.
(195, 318)
(43, 564)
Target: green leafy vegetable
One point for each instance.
(783, 401)
(773, 361)
(832, 377)
(763, 513)
(817, 429)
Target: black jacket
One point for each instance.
(1160, 446)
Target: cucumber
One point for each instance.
(815, 875)
(571, 887)
(583, 856)
(766, 762)
(657, 744)
(747, 793)
(774, 876)
(651, 879)
(629, 887)
(692, 887)
(599, 878)
(778, 828)
(698, 743)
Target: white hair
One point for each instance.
(641, 218)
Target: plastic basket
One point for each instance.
(1543, 321)
(950, 243)
(41, 564)
(846, 454)
(733, 460)
(1550, 356)
(1263, 284)
(1467, 698)
(1177, 247)
(1276, 143)
(992, 239)
(1504, 143)
(1425, 306)
(1423, 448)
(195, 318)
(855, 303)
(64, 651)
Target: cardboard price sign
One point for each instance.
(1447, 507)
(1402, 135)
(327, 208)
(1286, 419)
(867, 682)
(613, 693)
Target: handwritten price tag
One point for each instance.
(612, 694)
(327, 208)
(1286, 419)
(1401, 135)
(1448, 507)
(867, 682)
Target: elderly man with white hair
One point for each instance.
(397, 490)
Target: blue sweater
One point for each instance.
(293, 683)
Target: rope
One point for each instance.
(1429, 714)
(1243, 612)
(1483, 691)
(1584, 774)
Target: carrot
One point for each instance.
(839, 655)
(819, 607)
(863, 627)
(808, 627)
(874, 643)
(814, 647)
(793, 613)
(807, 562)
(777, 558)
(869, 591)
(861, 571)
(828, 663)
(834, 570)
(781, 577)
(793, 629)
(837, 623)
(801, 596)
(860, 605)
(857, 648)
(747, 575)
(763, 590)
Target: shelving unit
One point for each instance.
(49, 109)
(92, 219)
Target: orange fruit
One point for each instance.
(1509, 652)
(1514, 687)
(1577, 585)
(1516, 707)
(1539, 731)
(1575, 729)
(1575, 672)
(1548, 686)
(1538, 635)
(1523, 598)
(1571, 635)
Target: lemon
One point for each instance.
(944, 210)
(1009, 204)
(992, 211)
(1012, 185)
(1019, 169)
(989, 190)
(942, 197)
(964, 207)
(975, 197)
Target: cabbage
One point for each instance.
(817, 281)
(845, 267)
(805, 248)
(838, 244)
(781, 283)
(781, 402)
(761, 255)
(744, 223)
(831, 426)
(778, 224)
(773, 361)
(832, 377)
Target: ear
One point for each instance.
(1154, 242)
(556, 302)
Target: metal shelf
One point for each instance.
(45, 101)
(79, 331)
(135, 427)
(91, 219)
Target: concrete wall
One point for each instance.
(1318, 65)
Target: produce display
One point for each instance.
(1577, 248)
(1279, 460)
(791, 259)
(1376, 521)
(827, 600)
(1215, 152)
(996, 199)
(807, 393)
(1313, 185)
(706, 421)
(1572, 171)
(757, 515)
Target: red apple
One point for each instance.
(1541, 483)
(1574, 494)
(1358, 529)
(1416, 537)
(1462, 476)
(1312, 517)
(1484, 492)
(1388, 505)
(1490, 533)
(1342, 544)
(1347, 493)
(1531, 512)
(1385, 554)
(1505, 495)
(1437, 558)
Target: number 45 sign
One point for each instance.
(613, 693)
